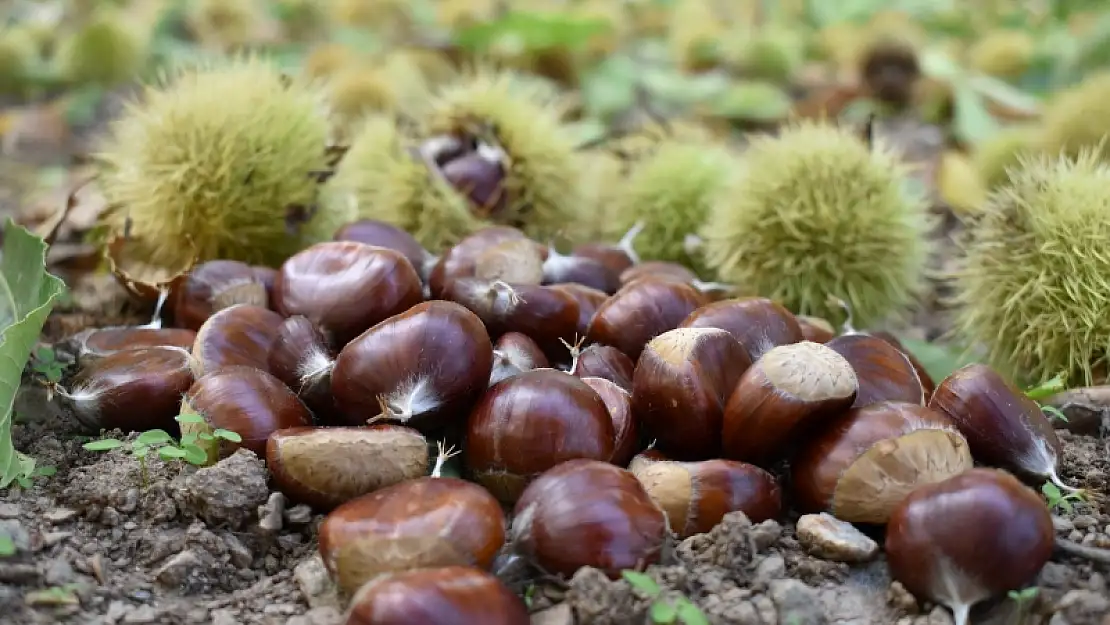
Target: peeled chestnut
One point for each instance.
(757, 323)
(239, 335)
(815, 329)
(626, 434)
(588, 513)
(345, 287)
(1003, 426)
(449, 595)
(133, 390)
(883, 371)
(789, 389)
(681, 384)
(515, 353)
(658, 269)
(697, 495)
(420, 523)
(640, 311)
(213, 286)
(387, 235)
(562, 269)
(244, 400)
(546, 315)
(327, 466)
(589, 300)
(99, 342)
(526, 424)
(517, 261)
(459, 261)
(301, 358)
(969, 538)
(863, 463)
(423, 367)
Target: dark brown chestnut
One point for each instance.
(458, 262)
(267, 276)
(387, 235)
(212, 286)
(789, 389)
(640, 311)
(658, 269)
(449, 595)
(547, 316)
(531, 422)
(618, 258)
(969, 538)
(96, 343)
(816, 329)
(423, 367)
(883, 371)
(589, 300)
(626, 433)
(327, 466)
(588, 513)
(604, 361)
(863, 463)
(244, 400)
(563, 269)
(757, 323)
(927, 382)
(133, 390)
(697, 495)
(237, 336)
(515, 353)
(480, 177)
(1001, 424)
(421, 523)
(345, 287)
(301, 358)
(516, 261)
(681, 384)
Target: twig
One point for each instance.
(1094, 554)
(71, 203)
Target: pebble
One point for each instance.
(826, 536)
(1084, 521)
(313, 580)
(177, 569)
(9, 511)
(224, 617)
(557, 615)
(60, 515)
(298, 514)
(771, 567)
(797, 602)
(1062, 524)
(331, 616)
(142, 614)
(901, 599)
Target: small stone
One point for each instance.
(298, 514)
(241, 556)
(765, 608)
(59, 515)
(770, 568)
(1061, 524)
(826, 536)
(141, 615)
(227, 492)
(318, 616)
(12, 573)
(765, 534)
(49, 539)
(270, 514)
(901, 599)
(130, 501)
(313, 580)
(18, 535)
(1075, 536)
(177, 569)
(1084, 521)
(556, 615)
(58, 572)
(797, 603)
(224, 617)
(9, 511)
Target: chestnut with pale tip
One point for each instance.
(789, 389)
(697, 495)
(345, 287)
(449, 595)
(604, 361)
(562, 268)
(387, 235)
(757, 323)
(212, 286)
(515, 353)
(302, 358)
(816, 329)
(94, 343)
(640, 311)
(969, 538)
(236, 336)
(516, 261)
(423, 367)
(134, 390)
(248, 401)
(626, 433)
(589, 300)
(459, 261)
(884, 372)
(532, 422)
(588, 513)
(863, 463)
(328, 466)
(680, 386)
(617, 257)
(1003, 426)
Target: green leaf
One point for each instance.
(153, 437)
(7, 545)
(528, 31)
(610, 88)
(1050, 491)
(204, 436)
(1054, 413)
(45, 471)
(689, 613)
(1047, 389)
(972, 122)
(44, 354)
(227, 435)
(189, 418)
(641, 582)
(194, 454)
(172, 453)
(938, 360)
(189, 438)
(103, 444)
(663, 612)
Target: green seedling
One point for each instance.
(25, 481)
(167, 447)
(663, 612)
(1024, 599)
(1058, 499)
(7, 545)
(44, 362)
(1048, 389)
(54, 595)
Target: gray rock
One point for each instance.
(224, 617)
(9, 510)
(15, 531)
(556, 615)
(141, 615)
(797, 603)
(313, 580)
(318, 616)
(826, 536)
(770, 568)
(227, 493)
(176, 571)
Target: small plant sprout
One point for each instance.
(662, 611)
(1023, 597)
(168, 448)
(47, 368)
(25, 481)
(1058, 499)
(7, 545)
(1048, 389)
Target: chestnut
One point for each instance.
(133, 390)
(526, 424)
(883, 371)
(589, 300)
(626, 434)
(458, 262)
(301, 358)
(517, 261)
(588, 513)
(927, 382)
(479, 176)
(448, 595)
(562, 269)
(420, 523)
(659, 269)
(267, 276)
(345, 287)
(789, 388)
(816, 329)
(860, 465)
(1003, 426)
(236, 336)
(640, 311)
(422, 367)
(618, 258)
(697, 495)
(387, 235)
(604, 361)
(327, 466)
(96, 343)
(248, 401)
(969, 538)
(515, 353)
(681, 384)
(546, 315)
(215, 285)
(757, 323)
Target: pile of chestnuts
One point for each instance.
(602, 405)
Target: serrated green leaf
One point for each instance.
(103, 444)
(27, 293)
(172, 453)
(663, 612)
(641, 582)
(227, 435)
(153, 437)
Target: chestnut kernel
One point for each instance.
(640, 311)
(883, 371)
(604, 361)
(301, 358)
(99, 342)
(816, 329)
(236, 336)
(589, 300)
(516, 261)
(459, 261)
(864, 462)
(625, 431)
(757, 323)
(515, 353)
(214, 285)
(387, 235)
(449, 595)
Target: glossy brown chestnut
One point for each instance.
(697, 495)
(480, 177)
(458, 262)
(244, 400)
(421, 523)
(133, 390)
(589, 300)
(301, 358)
(449, 595)
(328, 466)
(531, 422)
(816, 329)
(267, 276)
(1003, 426)
(883, 371)
(658, 269)
(619, 257)
(387, 235)
(863, 463)
(640, 311)
(237, 336)
(588, 513)
(423, 367)
(626, 433)
(96, 343)
(563, 269)
(757, 323)
(345, 287)
(927, 382)
(969, 538)
(604, 361)
(515, 353)
(547, 316)
(516, 261)
(681, 384)
(789, 389)
(213, 286)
